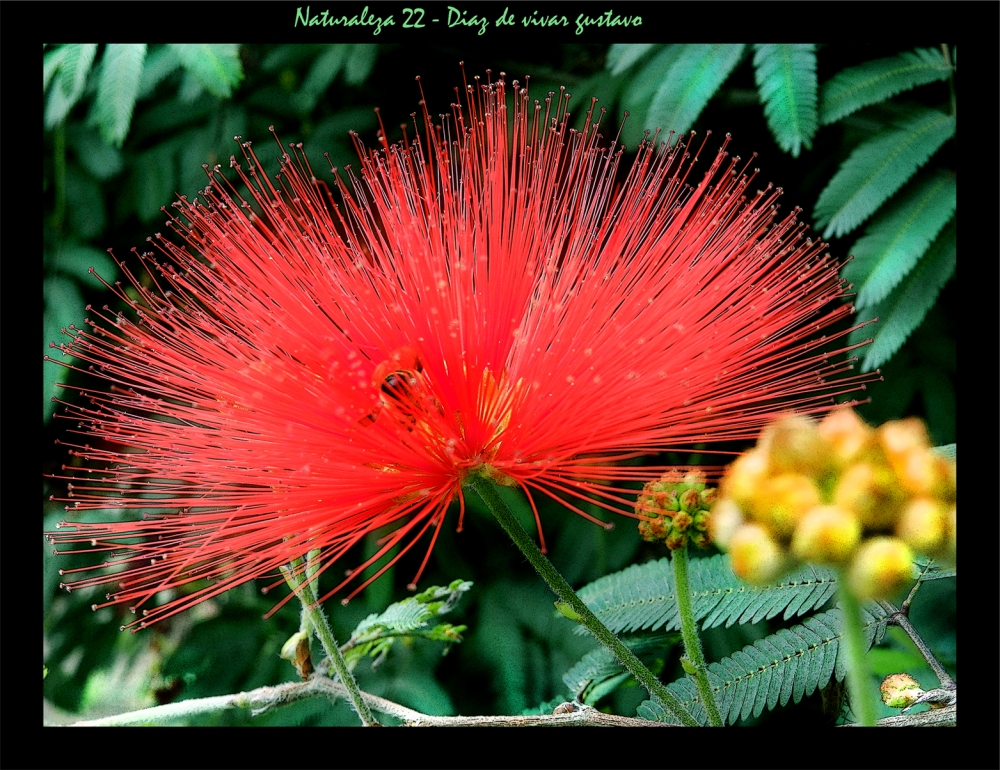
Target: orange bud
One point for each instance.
(846, 433)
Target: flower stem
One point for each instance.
(487, 491)
(317, 618)
(689, 632)
(860, 691)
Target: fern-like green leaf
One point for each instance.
(642, 596)
(161, 62)
(878, 168)
(787, 665)
(875, 81)
(638, 92)
(692, 80)
(598, 672)
(117, 90)
(216, 67)
(72, 63)
(899, 236)
(904, 310)
(786, 81)
(376, 634)
(621, 56)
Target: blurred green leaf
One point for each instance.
(878, 168)
(290, 55)
(903, 310)
(76, 259)
(637, 93)
(321, 74)
(161, 63)
(86, 204)
(939, 403)
(692, 80)
(621, 56)
(73, 63)
(99, 159)
(117, 89)
(899, 236)
(875, 81)
(360, 61)
(64, 306)
(786, 79)
(217, 67)
(154, 175)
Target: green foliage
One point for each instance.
(216, 68)
(879, 167)
(642, 596)
(695, 75)
(375, 635)
(900, 235)
(72, 63)
(786, 80)
(907, 306)
(784, 666)
(117, 89)
(598, 673)
(621, 56)
(876, 81)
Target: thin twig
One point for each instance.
(899, 618)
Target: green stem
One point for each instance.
(487, 491)
(689, 632)
(860, 691)
(317, 618)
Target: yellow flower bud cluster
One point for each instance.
(676, 507)
(839, 492)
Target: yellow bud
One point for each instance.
(846, 433)
(783, 500)
(726, 518)
(872, 493)
(827, 535)
(743, 478)
(794, 445)
(923, 525)
(881, 567)
(952, 548)
(755, 556)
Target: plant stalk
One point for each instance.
(859, 689)
(311, 609)
(689, 632)
(487, 491)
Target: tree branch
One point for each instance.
(260, 700)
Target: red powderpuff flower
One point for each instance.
(312, 365)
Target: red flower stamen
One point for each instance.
(313, 364)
